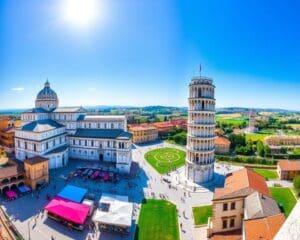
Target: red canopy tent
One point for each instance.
(68, 210)
(11, 194)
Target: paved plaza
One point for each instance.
(26, 214)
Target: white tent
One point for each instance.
(118, 212)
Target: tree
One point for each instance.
(296, 182)
(260, 148)
(267, 150)
(180, 138)
(237, 140)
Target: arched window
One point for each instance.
(199, 93)
(203, 105)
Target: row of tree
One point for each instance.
(241, 146)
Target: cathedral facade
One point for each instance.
(58, 133)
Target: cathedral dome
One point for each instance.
(46, 98)
(47, 93)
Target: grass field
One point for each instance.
(267, 174)
(165, 159)
(296, 151)
(229, 115)
(233, 119)
(259, 136)
(201, 214)
(157, 221)
(285, 198)
(294, 126)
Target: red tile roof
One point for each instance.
(287, 165)
(222, 141)
(241, 183)
(263, 228)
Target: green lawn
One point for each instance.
(231, 119)
(165, 159)
(157, 221)
(296, 151)
(267, 174)
(258, 136)
(284, 197)
(201, 214)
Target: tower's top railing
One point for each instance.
(202, 80)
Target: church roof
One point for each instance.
(69, 110)
(101, 117)
(41, 126)
(102, 133)
(58, 150)
(36, 110)
(47, 93)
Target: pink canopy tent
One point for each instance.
(11, 194)
(68, 210)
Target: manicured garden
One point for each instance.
(201, 214)
(266, 173)
(157, 221)
(165, 160)
(284, 197)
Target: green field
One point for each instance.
(235, 120)
(165, 160)
(284, 197)
(296, 151)
(259, 136)
(201, 214)
(295, 126)
(267, 174)
(157, 221)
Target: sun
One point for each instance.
(80, 13)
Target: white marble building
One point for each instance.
(199, 167)
(62, 132)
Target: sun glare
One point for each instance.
(81, 13)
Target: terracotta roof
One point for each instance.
(163, 124)
(241, 183)
(230, 235)
(142, 128)
(35, 160)
(8, 130)
(263, 228)
(289, 165)
(219, 140)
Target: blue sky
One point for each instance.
(144, 52)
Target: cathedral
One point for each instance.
(59, 133)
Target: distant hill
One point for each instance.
(159, 109)
(242, 109)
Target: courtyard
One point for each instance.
(145, 183)
(26, 212)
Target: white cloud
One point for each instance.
(17, 89)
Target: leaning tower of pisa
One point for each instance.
(199, 167)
